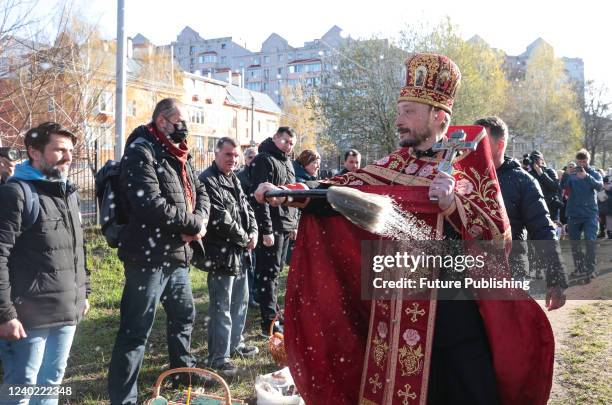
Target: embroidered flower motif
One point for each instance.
(412, 337)
(464, 187)
(356, 183)
(383, 161)
(426, 171)
(412, 168)
(475, 230)
(382, 329)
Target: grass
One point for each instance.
(585, 373)
(92, 347)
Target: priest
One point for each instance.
(343, 349)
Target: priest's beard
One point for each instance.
(416, 139)
(54, 171)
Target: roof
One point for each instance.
(304, 60)
(242, 97)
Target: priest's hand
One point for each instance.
(443, 189)
(261, 198)
(555, 298)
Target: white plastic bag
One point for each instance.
(272, 389)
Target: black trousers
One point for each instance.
(269, 264)
(461, 367)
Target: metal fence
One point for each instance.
(84, 169)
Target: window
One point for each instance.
(105, 101)
(292, 69)
(241, 63)
(198, 143)
(299, 56)
(256, 86)
(131, 108)
(201, 59)
(196, 115)
(210, 58)
(254, 73)
(191, 50)
(193, 61)
(222, 46)
(212, 142)
(266, 59)
(279, 71)
(266, 73)
(280, 57)
(105, 138)
(255, 61)
(179, 50)
(223, 60)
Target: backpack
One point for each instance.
(113, 207)
(31, 208)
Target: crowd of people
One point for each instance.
(176, 215)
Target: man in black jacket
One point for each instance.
(167, 210)
(352, 161)
(528, 215)
(277, 225)
(231, 235)
(549, 183)
(43, 280)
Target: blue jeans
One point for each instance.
(251, 276)
(143, 290)
(584, 259)
(40, 359)
(229, 297)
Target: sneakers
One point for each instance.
(226, 370)
(246, 352)
(265, 328)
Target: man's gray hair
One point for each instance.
(250, 151)
(166, 107)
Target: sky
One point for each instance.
(575, 29)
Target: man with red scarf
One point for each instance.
(346, 350)
(167, 210)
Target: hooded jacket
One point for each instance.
(43, 279)
(272, 165)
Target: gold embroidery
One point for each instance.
(375, 383)
(383, 305)
(415, 311)
(406, 394)
(411, 360)
(381, 348)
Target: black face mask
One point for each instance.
(180, 132)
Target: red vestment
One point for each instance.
(344, 350)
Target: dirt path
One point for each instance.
(561, 320)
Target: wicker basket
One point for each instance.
(188, 397)
(276, 344)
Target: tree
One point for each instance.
(543, 108)
(298, 112)
(597, 116)
(358, 96)
(483, 84)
